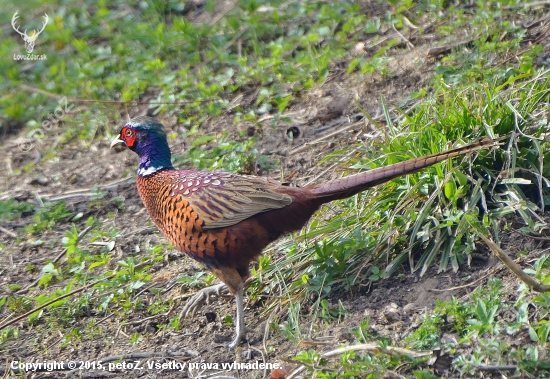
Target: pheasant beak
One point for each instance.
(117, 141)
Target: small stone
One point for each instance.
(41, 181)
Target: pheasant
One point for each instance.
(225, 220)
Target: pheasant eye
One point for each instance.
(129, 132)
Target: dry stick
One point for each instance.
(63, 197)
(538, 238)
(13, 321)
(143, 320)
(342, 159)
(529, 47)
(475, 282)
(532, 4)
(142, 231)
(463, 286)
(439, 50)
(496, 368)
(67, 295)
(263, 360)
(308, 144)
(81, 191)
(8, 232)
(407, 42)
(368, 347)
(222, 14)
(104, 319)
(514, 267)
(435, 51)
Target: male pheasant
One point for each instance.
(225, 220)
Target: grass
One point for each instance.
(277, 53)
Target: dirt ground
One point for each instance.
(325, 119)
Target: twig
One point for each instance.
(80, 191)
(263, 360)
(496, 368)
(538, 238)
(267, 328)
(313, 366)
(409, 23)
(142, 320)
(463, 286)
(222, 14)
(331, 167)
(368, 347)
(142, 231)
(331, 125)
(308, 144)
(104, 319)
(443, 50)
(525, 5)
(69, 196)
(407, 42)
(374, 347)
(8, 232)
(38, 199)
(514, 267)
(42, 306)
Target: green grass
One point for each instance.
(193, 68)
(12, 209)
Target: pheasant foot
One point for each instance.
(203, 297)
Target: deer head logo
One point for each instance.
(29, 40)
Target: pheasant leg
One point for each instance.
(240, 327)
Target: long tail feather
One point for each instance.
(353, 184)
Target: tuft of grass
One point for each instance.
(46, 217)
(428, 217)
(11, 209)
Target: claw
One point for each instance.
(202, 297)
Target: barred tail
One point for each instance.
(353, 184)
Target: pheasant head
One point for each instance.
(146, 136)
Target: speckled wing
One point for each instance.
(222, 199)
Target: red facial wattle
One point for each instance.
(128, 135)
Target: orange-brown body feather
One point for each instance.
(228, 250)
